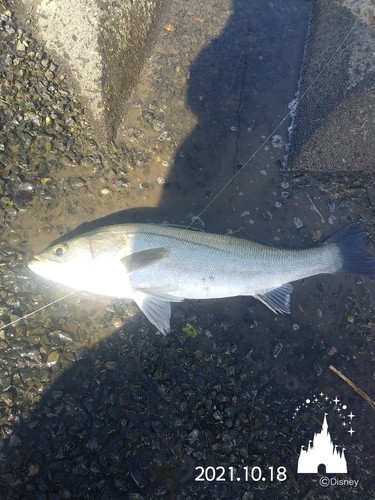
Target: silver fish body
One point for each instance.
(158, 264)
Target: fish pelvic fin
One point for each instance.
(144, 258)
(278, 299)
(155, 305)
(349, 240)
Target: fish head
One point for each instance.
(68, 262)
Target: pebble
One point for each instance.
(117, 322)
(277, 142)
(317, 369)
(277, 349)
(52, 358)
(267, 215)
(316, 235)
(297, 222)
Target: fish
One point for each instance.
(157, 264)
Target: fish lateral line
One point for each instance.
(282, 300)
(159, 270)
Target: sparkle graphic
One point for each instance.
(321, 401)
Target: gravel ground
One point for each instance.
(94, 404)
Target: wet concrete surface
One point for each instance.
(333, 125)
(100, 45)
(94, 404)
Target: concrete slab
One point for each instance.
(334, 121)
(100, 44)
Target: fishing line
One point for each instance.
(297, 101)
(40, 309)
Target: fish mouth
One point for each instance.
(35, 261)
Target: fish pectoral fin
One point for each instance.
(144, 258)
(278, 299)
(156, 308)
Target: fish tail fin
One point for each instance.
(349, 240)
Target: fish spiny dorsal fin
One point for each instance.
(240, 233)
(185, 228)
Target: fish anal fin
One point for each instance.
(278, 299)
(155, 305)
(144, 258)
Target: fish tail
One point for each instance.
(349, 240)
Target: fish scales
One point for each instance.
(246, 267)
(158, 264)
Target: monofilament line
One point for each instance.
(283, 120)
(40, 309)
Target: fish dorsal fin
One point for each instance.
(278, 299)
(240, 233)
(155, 306)
(185, 228)
(144, 258)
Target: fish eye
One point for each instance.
(60, 249)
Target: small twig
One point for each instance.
(174, 140)
(293, 480)
(134, 479)
(238, 62)
(314, 206)
(178, 337)
(206, 134)
(355, 387)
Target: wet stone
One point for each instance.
(53, 357)
(111, 365)
(93, 443)
(297, 222)
(277, 349)
(316, 235)
(58, 337)
(317, 369)
(82, 353)
(7, 397)
(32, 355)
(158, 125)
(267, 215)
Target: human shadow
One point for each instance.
(235, 92)
(137, 413)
